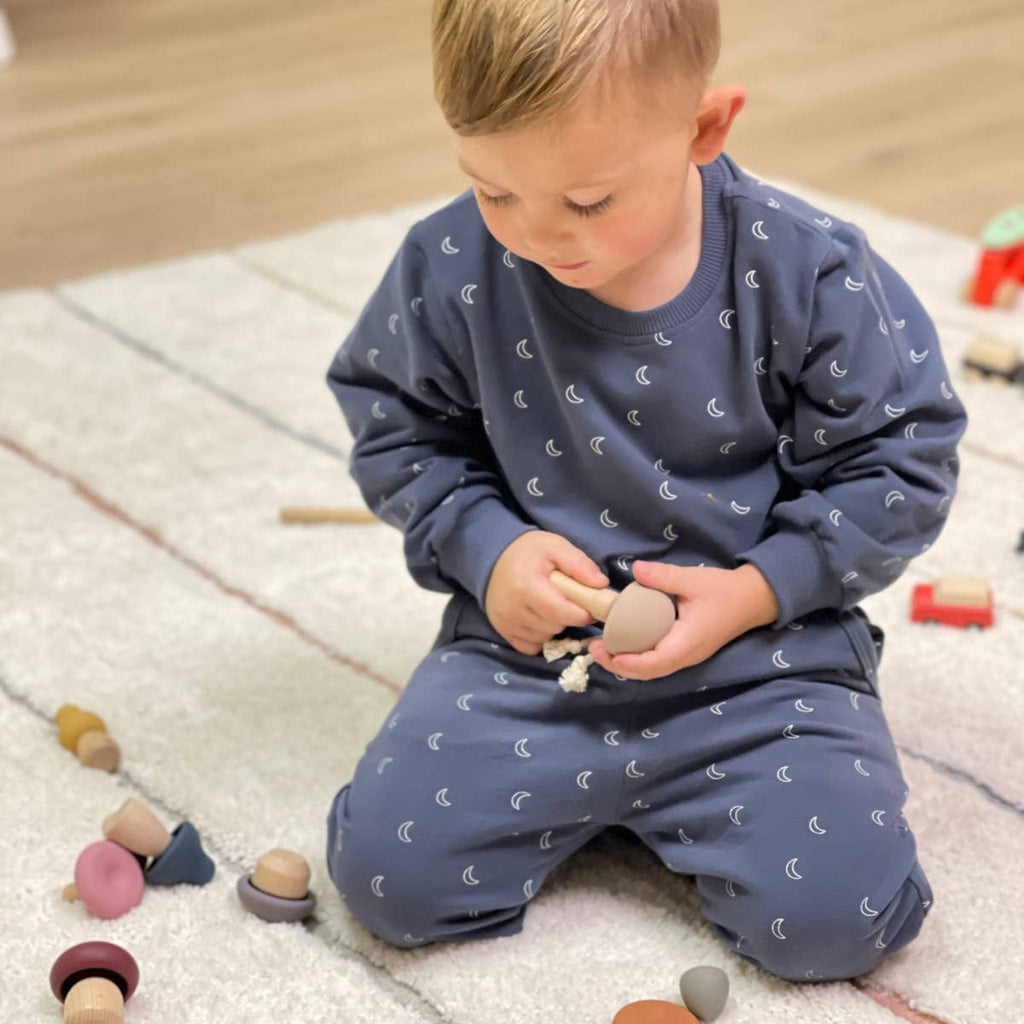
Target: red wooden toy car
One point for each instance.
(955, 600)
(1001, 263)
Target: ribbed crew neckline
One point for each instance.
(688, 302)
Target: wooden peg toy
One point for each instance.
(94, 980)
(278, 888)
(316, 516)
(178, 856)
(634, 620)
(85, 735)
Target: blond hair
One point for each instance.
(500, 64)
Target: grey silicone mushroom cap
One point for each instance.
(704, 990)
(273, 908)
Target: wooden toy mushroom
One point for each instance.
(135, 827)
(634, 620)
(654, 1011)
(178, 856)
(278, 889)
(85, 735)
(108, 880)
(94, 980)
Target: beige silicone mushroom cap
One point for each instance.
(639, 618)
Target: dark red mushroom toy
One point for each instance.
(94, 980)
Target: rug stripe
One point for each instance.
(114, 512)
(179, 369)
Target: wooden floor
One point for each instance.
(138, 130)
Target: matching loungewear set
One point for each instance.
(791, 409)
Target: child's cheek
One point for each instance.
(500, 227)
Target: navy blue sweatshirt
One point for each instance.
(789, 408)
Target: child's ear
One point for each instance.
(715, 114)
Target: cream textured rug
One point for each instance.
(152, 423)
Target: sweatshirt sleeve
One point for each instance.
(867, 453)
(420, 453)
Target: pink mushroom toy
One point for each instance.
(108, 879)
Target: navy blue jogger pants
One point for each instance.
(782, 797)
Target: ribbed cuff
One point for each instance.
(484, 530)
(795, 568)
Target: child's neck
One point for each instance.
(667, 271)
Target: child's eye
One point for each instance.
(496, 200)
(591, 210)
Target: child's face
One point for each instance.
(591, 194)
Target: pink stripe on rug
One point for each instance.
(114, 512)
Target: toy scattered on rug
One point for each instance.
(635, 619)
(704, 991)
(278, 888)
(962, 601)
(177, 857)
(94, 980)
(85, 735)
(654, 1011)
(316, 516)
(111, 875)
(1000, 269)
(108, 880)
(993, 359)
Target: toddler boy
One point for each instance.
(620, 356)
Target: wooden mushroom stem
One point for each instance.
(96, 749)
(597, 602)
(282, 873)
(135, 827)
(94, 1000)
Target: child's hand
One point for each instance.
(715, 606)
(524, 606)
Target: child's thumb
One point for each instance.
(672, 579)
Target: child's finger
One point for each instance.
(672, 579)
(670, 655)
(577, 564)
(554, 605)
(535, 624)
(525, 646)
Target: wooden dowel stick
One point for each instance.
(312, 516)
(597, 602)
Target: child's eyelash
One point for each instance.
(593, 209)
(584, 211)
(496, 200)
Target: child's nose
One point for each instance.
(546, 240)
